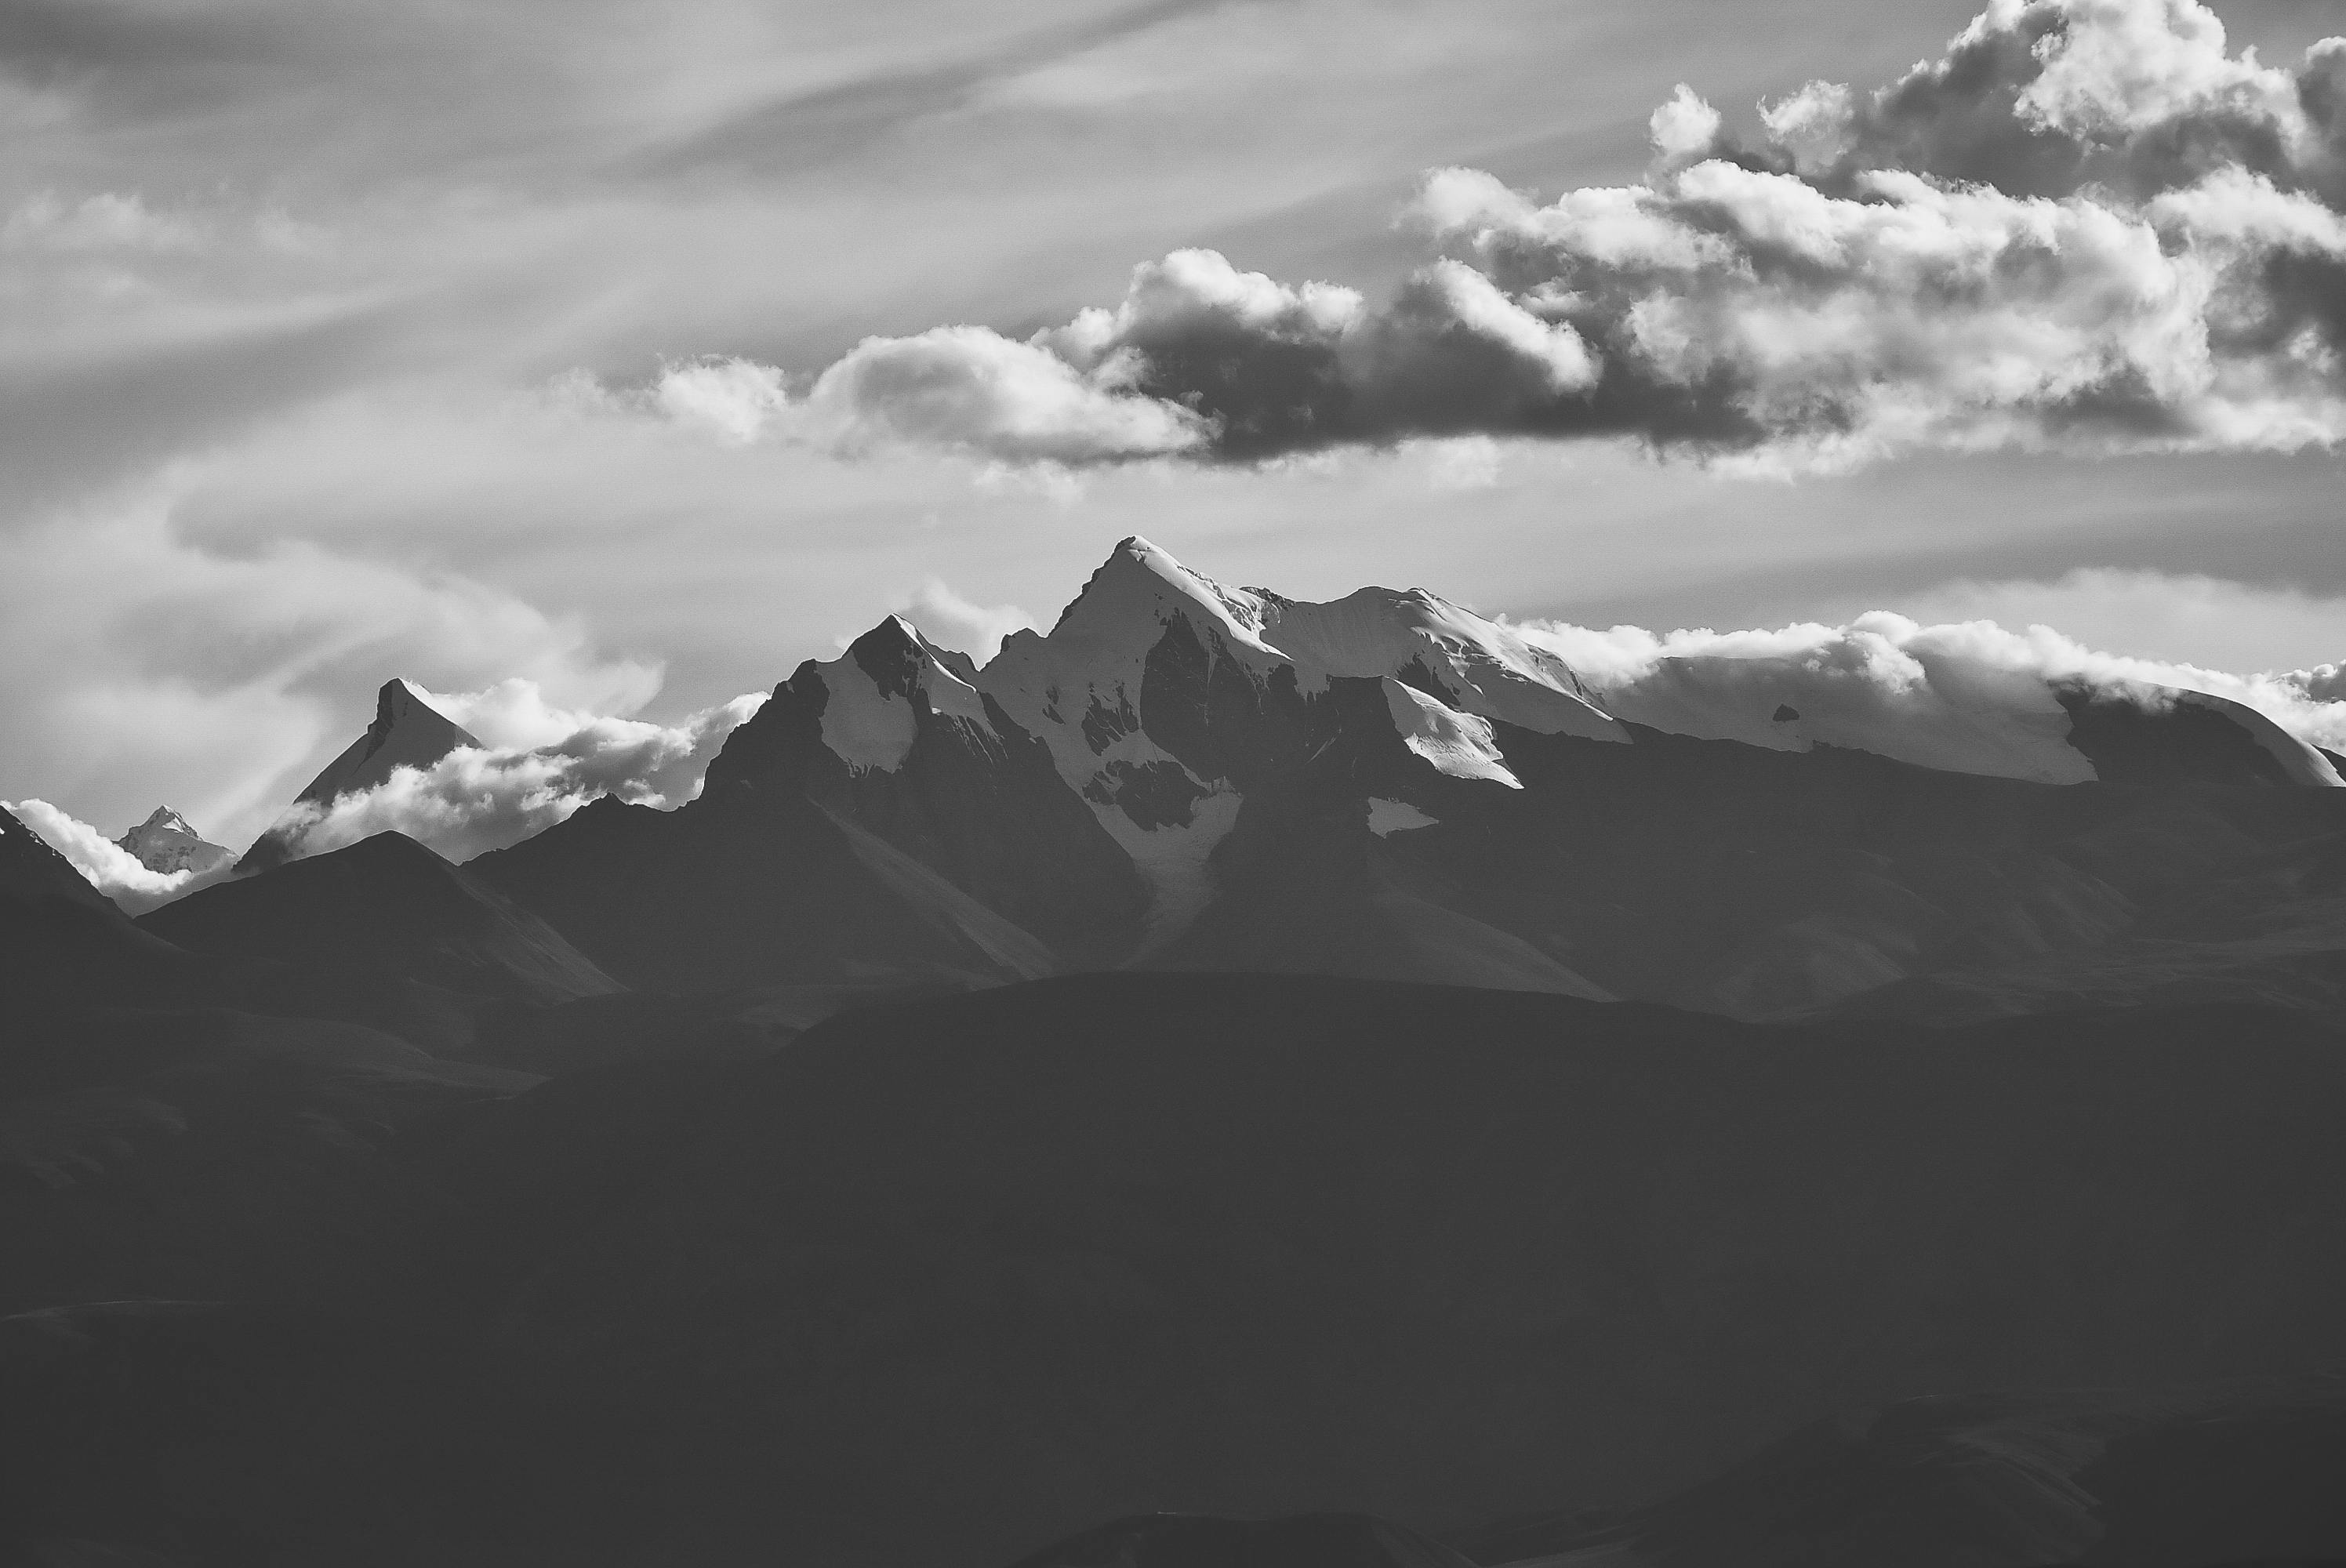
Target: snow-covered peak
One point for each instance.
(876, 693)
(167, 842)
(1079, 686)
(1134, 594)
(163, 819)
(407, 733)
(1487, 670)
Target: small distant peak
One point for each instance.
(163, 819)
(392, 847)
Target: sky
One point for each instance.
(600, 362)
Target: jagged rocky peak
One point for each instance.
(407, 733)
(866, 708)
(1081, 684)
(168, 843)
(900, 659)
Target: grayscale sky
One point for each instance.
(467, 342)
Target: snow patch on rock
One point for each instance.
(866, 727)
(1387, 817)
(1487, 669)
(1459, 744)
(1173, 860)
(1096, 655)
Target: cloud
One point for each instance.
(554, 760)
(1970, 696)
(958, 624)
(2193, 618)
(736, 398)
(963, 389)
(136, 651)
(2088, 228)
(111, 869)
(970, 388)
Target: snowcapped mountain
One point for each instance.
(167, 842)
(1181, 774)
(407, 733)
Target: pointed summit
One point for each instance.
(167, 842)
(407, 733)
(898, 656)
(1140, 584)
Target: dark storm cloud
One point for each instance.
(2089, 226)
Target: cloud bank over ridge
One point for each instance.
(540, 763)
(1968, 697)
(2088, 227)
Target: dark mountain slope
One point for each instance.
(958, 788)
(1187, 1540)
(937, 1283)
(64, 945)
(1053, 1254)
(755, 889)
(387, 905)
(2193, 1477)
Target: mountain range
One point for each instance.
(1180, 775)
(1228, 1080)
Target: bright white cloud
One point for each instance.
(1969, 696)
(111, 869)
(475, 799)
(971, 388)
(2089, 227)
(737, 399)
(951, 621)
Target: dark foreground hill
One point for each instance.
(940, 1283)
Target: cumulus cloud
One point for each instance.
(960, 388)
(1970, 696)
(543, 762)
(111, 869)
(2088, 227)
(958, 623)
(735, 398)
